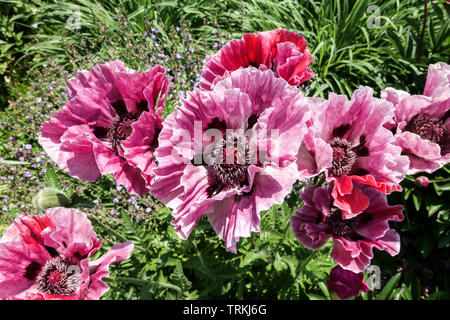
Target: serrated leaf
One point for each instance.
(251, 257)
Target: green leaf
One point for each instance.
(251, 257)
(324, 289)
(417, 200)
(313, 296)
(51, 179)
(389, 287)
(439, 295)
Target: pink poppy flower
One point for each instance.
(258, 121)
(421, 123)
(345, 283)
(47, 258)
(347, 142)
(353, 239)
(110, 125)
(282, 51)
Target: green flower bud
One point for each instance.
(50, 198)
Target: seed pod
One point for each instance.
(50, 198)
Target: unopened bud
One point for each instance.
(422, 182)
(50, 198)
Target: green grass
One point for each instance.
(271, 264)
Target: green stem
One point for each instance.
(143, 283)
(304, 263)
(439, 180)
(422, 35)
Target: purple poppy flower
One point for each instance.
(47, 258)
(353, 239)
(421, 123)
(245, 168)
(109, 125)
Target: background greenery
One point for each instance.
(40, 50)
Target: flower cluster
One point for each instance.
(234, 147)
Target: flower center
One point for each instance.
(340, 227)
(121, 129)
(59, 277)
(228, 162)
(427, 127)
(343, 157)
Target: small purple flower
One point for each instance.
(38, 100)
(178, 56)
(27, 174)
(21, 159)
(27, 146)
(116, 200)
(147, 210)
(215, 45)
(214, 31)
(11, 178)
(4, 209)
(139, 219)
(113, 212)
(44, 171)
(11, 138)
(1, 159)
(95, 201)
(145, 34)
(132, 200)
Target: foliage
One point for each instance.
(178, 35)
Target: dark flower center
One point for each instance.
(59, 277)
(343, 157)
(427, 127)
(340, 227)
(228, 162)
(121, 129)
